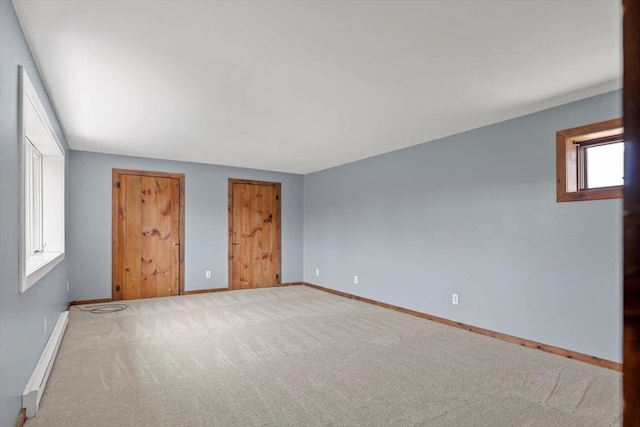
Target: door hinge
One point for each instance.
(277, 197)
(277, 276)
(117, 185)
(117, 288)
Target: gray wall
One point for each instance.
(21, 315)
(206, 220)
(475, 214)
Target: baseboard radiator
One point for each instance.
(35, 387)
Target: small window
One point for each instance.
(41, 190)
(590, 162)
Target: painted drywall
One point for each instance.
(22, 336)
(476, 214)
(206, 220)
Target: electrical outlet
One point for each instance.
(454, 299)
(317, 271)
(207, 274)
(67, 286)
(45, 326)
(355, 280)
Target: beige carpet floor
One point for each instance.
(297, 356)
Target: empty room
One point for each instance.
(319, 213)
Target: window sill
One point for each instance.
(592, 194)
(37, 266)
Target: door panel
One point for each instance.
(164, 244)
(148, 229)
(254, 223)
(133, 236)
(177, 239)
(167, 251)
(149, 238)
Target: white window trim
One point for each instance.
(37, 266)
(34, 267)
(33, 209)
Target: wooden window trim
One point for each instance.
(567, 164)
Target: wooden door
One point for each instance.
(254, 234)
(631, 367)
(148, 234)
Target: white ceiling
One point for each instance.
(303, 86)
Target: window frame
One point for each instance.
(49, 222)
(568, 165)
(33, 199)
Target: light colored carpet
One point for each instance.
(299, 356)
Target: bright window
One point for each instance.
(604, 165)
(590, 162)
(41, 190)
